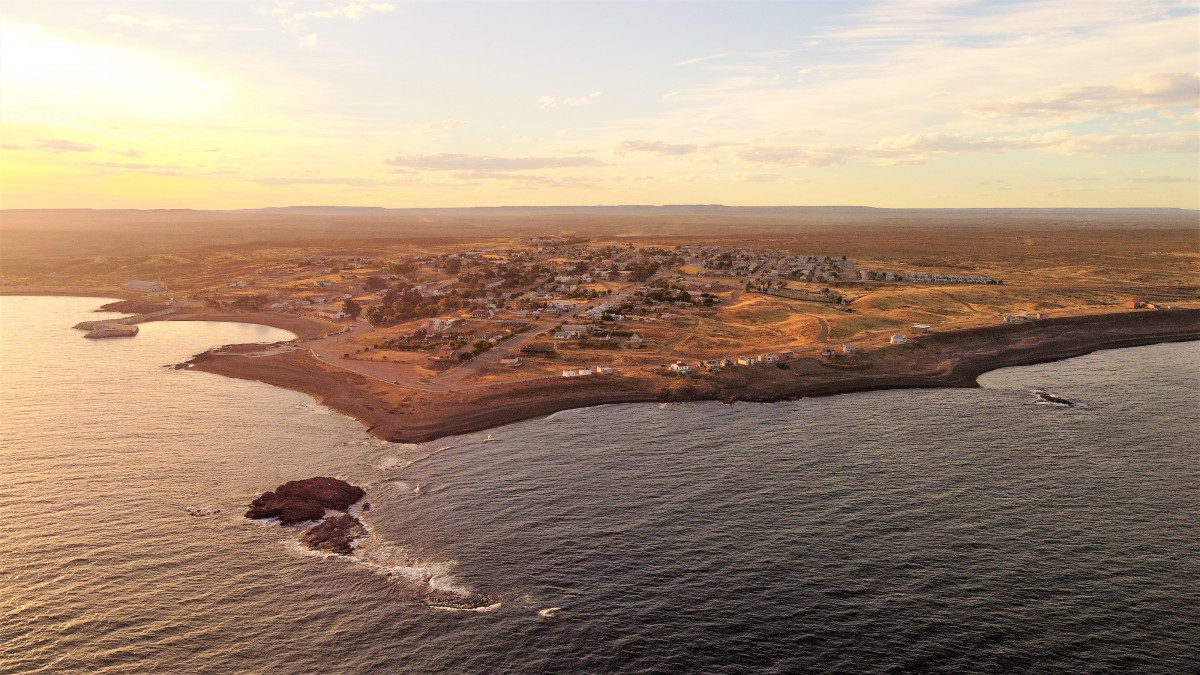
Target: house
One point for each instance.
(1132, 304)
(727, 361)
(921, 328)
(570, 373)
(444, 355)
(680, 367)
(482, 314)
(828, 353)
(899, 339)
(566, 335)
(746, 360)
(634, 342)
(324, 284)
(769, 358)
(584, 372)
(848, 348)
(604, 370)
(787, 356)
(235, 284)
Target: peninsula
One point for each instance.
(429, 323)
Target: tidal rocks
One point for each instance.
(335, 535)
(300, 500)
(1046, 397)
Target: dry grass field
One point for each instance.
(1054, 262)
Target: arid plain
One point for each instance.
(423, 323)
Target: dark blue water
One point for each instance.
(906, 531)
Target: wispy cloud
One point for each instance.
(658, 147)
(1153, 91)
(135, 22)
(295, 22)
(458, 162)
(701, 59)
(445, 125)
(59, 145)
(550, 101)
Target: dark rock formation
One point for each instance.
(300, 500)
(335, 535)
(1051, 398)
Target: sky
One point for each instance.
(225, 104)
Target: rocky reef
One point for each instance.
(301, 500)
(335, 534)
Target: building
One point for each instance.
(848, 348)
(920, 328)
(604, 370)
(680, 367)
(769, 358)
(634, 342)
(570, 373)
(746, 360)
(510, 361)
(787, 356)
(899, 339)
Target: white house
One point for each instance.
(604, 370)
(920, 328)
(680, 367)
(570, 373)
(899, 339)
(848, 348)
(746, 360)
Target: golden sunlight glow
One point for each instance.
(48, 79)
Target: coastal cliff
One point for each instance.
(949, 359)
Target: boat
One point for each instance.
(111, 330)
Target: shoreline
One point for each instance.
(938, 360)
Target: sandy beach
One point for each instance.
(950, 359)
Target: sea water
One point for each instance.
(971, 530)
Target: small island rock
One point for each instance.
(300, 500)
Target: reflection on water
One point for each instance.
(957, 530)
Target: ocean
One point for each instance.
(969, 530)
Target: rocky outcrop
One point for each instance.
(336, 535)
(300, 500)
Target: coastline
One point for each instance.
(950, 359)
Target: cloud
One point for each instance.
(1162, 179)
(794, 155)
(701, 59)
(582, 100)
(521, 138)
(135, 22)
(59, 145)
(352, 181)
(445, 124)
(350, 10)
(135, 154)
(658, 147)
(454, 162)
(12, 146)
(295, 23)
(549, 101)
(156, 169)
(1157, 90)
